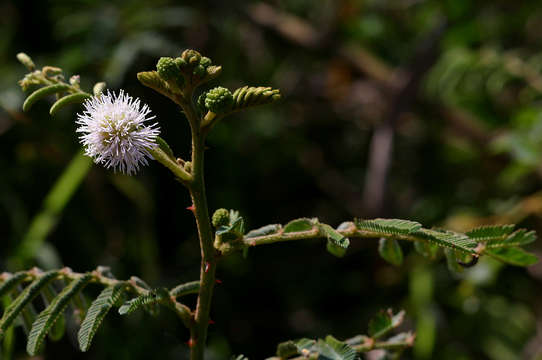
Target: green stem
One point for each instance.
(205, 232)
(160, 156)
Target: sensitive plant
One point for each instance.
(122, 133)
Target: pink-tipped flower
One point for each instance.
(114, 132)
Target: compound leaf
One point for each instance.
(490, 233)
(383, 322)
(388, 227)
(265, 230)
(24, 298)
(41, 93)
(49, 316)
(12, 282)
(153, 297)
(513, 256)
(390, 250)
(297, 225)
(97, 312)
(333, 349)
(336, 242)
(68, 99)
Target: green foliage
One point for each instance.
(384, 322)
(185, 289)
(332, 349)
(388, 227)
(97, 312)
(66, 100)
(165, 148)
(252, 96)
(490, 233)
(513, 256)
(264, 230)
(24, 298)
(498, 242)
(390, 250)
(50, 315)
(153, 297)
(51, 320)
(299, 225)
(427, 249)
(43, 92)
(152, 80)
(336, 242)
(11, 282)
(57, 332)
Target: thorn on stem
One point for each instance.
(218, 281)
(191, 342)
(191, 208)
(206, 266)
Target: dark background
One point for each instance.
(454, 87)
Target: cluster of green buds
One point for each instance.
(230, 228)
(189, 69)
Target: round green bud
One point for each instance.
(191, 57)
(205, 62)
(219, 100)
(166, 68)
(199, 71)
(221, 217)
(201, 102)
(181, 64)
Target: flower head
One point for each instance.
(114, 133)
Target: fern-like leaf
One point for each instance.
(448, 239)
(47, 317)
(97, 312)
(153, 297)
(490, 233)
(388, 227)
(384, 322)
(68, 99)
(185, 289)
(12, 282)
(154, 81)
(333, 349)
(513, 256)
(44, 91)
(57, 331)
(252, 96)
(520, 237)
(264, 230)
(24, 298)
(337, 244)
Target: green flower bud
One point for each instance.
(167, 69)
(205, 62)
(181, 64)
(221, 217)
(191, 57)
(200, 71)
(219, 100)
(201, 102)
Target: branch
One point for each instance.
(99, 276)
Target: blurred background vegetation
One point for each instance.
(428, 110)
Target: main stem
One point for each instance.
(208, 253)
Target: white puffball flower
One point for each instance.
(114, 132)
